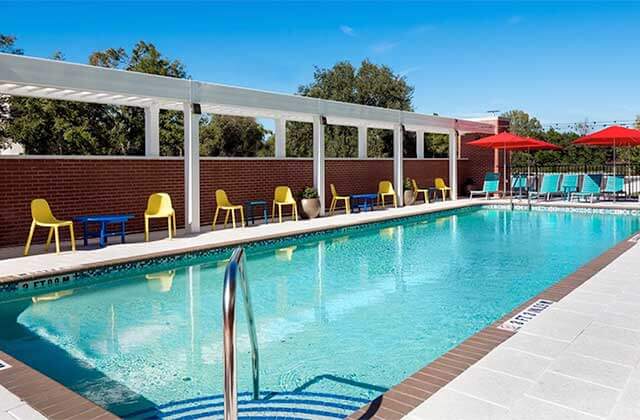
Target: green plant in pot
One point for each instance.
(310, 202)
(409, 193)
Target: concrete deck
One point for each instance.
(12, 408)
(579, 359)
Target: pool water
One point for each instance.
(340, 316)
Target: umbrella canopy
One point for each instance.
(611, 137)
(504, 141)
(507, 141)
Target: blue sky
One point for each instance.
(562, 62)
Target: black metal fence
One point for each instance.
(630, 172)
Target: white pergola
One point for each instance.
(41, 78)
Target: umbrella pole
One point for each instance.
(528, 175)
(504, 169)
(614, 169)
(510, 183)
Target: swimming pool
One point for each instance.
(341, 316)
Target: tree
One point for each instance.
(223, 135)
(370, 84)
(65, 127)
(523, 125)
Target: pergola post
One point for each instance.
(420, 144)
(362, 142)
(281, 138)
(152, 130)
(453, 164)
(318, 158)
(398, 155)
(192, 167)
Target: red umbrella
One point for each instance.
(507, 141)
(611, 137)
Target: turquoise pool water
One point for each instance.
(348, 313)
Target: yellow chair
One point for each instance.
(224, 204)
(42, 216)
(417, 191)
(283, 197)
(385, 188)
(159, 206)
(336, 198)
(442, 187)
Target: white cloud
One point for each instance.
(383, 47)
(405, 72)
(347, 30)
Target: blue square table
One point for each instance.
(249, 205)
(104, 220)
(363, 202)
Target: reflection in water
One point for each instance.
(161, 281)
(387, 233)
(48, 297)
(285, 254)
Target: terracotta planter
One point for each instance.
(409, 198)
(311, 207)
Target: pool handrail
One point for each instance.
(236, 269)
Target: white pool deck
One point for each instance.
(580, 359)
(12, 408)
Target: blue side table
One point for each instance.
(249, 205)
(363, 202)
(104, 220)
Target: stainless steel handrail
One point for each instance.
(236, 268)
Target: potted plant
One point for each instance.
(409, 194)
(310, 202)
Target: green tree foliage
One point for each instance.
(65, 127)
(223, 135)
(524, 125)
(370, 84)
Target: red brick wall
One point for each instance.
(83, 186)
(249, 179)
(75, 186)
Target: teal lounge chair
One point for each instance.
(614, 186)
(569, 185)
(590, 187)
(549, 187)
(519, 185)
(491, 185)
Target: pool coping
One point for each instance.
(404, 397)
(376, 217)
(47, 396)
(296, 231)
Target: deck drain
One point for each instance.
(521, 319)
(4, 365)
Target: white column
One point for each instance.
(453, 164)
(420, 144)
(398, 155)
(362, 142)
(152, 130)
(281, 138)
(318, 159)
(191, 169)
